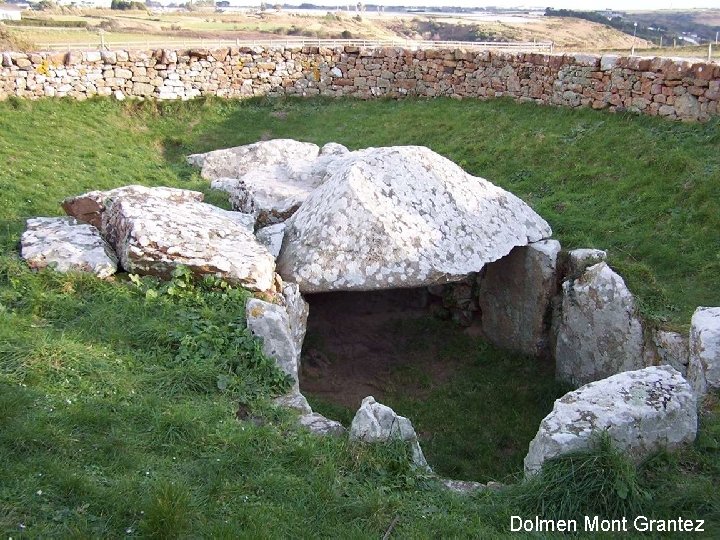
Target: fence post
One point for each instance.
(709, 51)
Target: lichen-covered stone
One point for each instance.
(375, 422)
(598, 331)
(672, 349)
(320, 425)
(515, 296)
(704, 365)
(297, 310)
(401, 217)
(154, 235)
(642, 411)
(270, 323)
(468, 487)
(89, 206)
(236, 162)
(269, 179)
(578, 260)
(64, 244)
(272, 237)
(295, 401)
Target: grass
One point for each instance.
(646, 190)
(477, 424)
(117, 405)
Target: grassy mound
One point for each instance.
(118, 399)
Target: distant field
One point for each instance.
(567, 34)
(687, 51)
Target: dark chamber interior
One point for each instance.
(357, 342)
(475, 407)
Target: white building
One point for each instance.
(86, 3)
(8, 12)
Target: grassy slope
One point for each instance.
(110, 421)
(645, 189)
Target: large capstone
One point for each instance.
(90, 206)
(64, 244)
(642, 411)
(598, 331)
(154, 235)
(401, 217)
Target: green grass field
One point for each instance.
(118, 399)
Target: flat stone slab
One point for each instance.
(89, 206)
(154, 235)
(65, 245)
(236, 162)
(272, 178)
(400, 217)
(319, 425)
(642, 411)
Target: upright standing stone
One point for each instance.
(578, 260)
(270, 322)
(598, 331)
(375, 422)
(515, 296)
(672, 349)
(704, 366)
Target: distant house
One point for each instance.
(85, 3)
(9, 12)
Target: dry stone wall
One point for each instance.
(671, 88)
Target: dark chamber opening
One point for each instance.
(474, 407)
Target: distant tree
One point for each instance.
(45, 4)
(124, 5)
